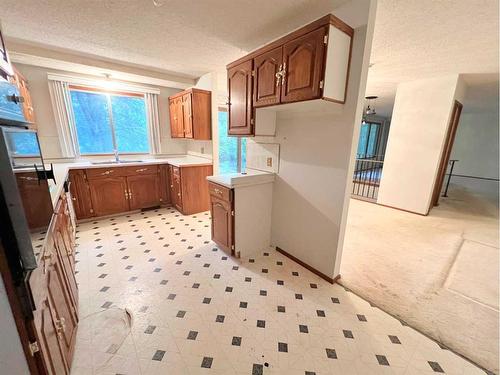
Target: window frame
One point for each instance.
(108, 94)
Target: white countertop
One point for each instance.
(61, 169)
(235, 180)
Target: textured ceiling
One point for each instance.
(413, 39)
(187, 37)
(429, 38)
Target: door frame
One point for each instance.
(445, 155)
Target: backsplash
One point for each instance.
(263, 156)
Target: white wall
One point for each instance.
(317, 150)
(476, 148)
(47, 131)
(420, 120)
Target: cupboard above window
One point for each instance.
(191, 114)
(309, 63)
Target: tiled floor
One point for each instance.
(158, 297)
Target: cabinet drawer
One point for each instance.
(220, 192)
(141, 169)
(93, 173)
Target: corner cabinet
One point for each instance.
(311, 63)
(191, 114)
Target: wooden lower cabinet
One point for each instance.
(55, 296)
(143, 191)
(38, 208)
(190, 188)
(80, 194)
(109, 195)
(164, 185)
(222, 213)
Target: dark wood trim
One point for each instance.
(308, 267)
(329, 19)
(446, 153)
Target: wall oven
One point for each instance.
(25, 203)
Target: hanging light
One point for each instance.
(370, 108)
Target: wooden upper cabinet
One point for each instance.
(22, 85)
(191, 114)
(266, 82)
(176, 118)
(303, 62)
(187, 115)
(309, 63)
(240, 99)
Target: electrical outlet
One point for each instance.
(269, 162)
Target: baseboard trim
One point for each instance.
(308, 267)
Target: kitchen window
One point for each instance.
(109, 122)
(368, 140)
(232, 150)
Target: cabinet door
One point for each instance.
(176, 118)
(45, 319)
(164, 185)
(240, 99)
(303, 61)
(187, 113)
(36, 199)
(143, 191)
(80, 194)
(109, 195)
(61, 296)
(266, 86)
(176, 189)
(22, 84)
(222, 223)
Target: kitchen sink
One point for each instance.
(116, 162)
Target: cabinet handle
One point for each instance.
(126, 195)
(28, 178)
(171, 186)
(107, 172)
(60, 326)
(217, 191)
(141, 169)
(283, 74)
(178, 194)
(278, 75)
(217, 204)
(73, 198)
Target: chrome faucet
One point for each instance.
(117, 156)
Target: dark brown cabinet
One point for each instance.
(38, 208)
(176, 117)
(143, 191)
(80, 194)
(266, 83)
(164, 184)
(109, 195)
(22, 85)
(303, 60)
(191, 114)
(290, 69)
(55, 296)
(240, 111)
(221, 210)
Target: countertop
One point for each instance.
(235, 180)
(61, 169)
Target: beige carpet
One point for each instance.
(439, 273)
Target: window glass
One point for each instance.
(23, 143)
(228, 147)
(129, 119)
(363, 138)
(371, 148)
(92, 122)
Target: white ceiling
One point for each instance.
(186, 37)
(413, 39)
(429, 38)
